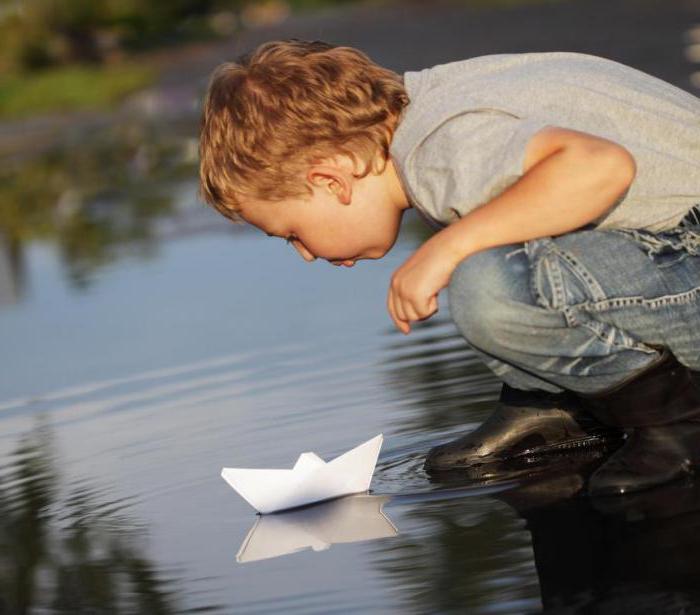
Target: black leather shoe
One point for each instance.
(524, 424)
(660, 410)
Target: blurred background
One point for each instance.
(145, 341)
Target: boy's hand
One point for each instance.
(571, 178)
(416, 284)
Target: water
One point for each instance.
(146, 343)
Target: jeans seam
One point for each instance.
(553, 272)
(591, 284)
(556, 281)
(683, 298)
(535, 272)
(570, 317)
(550, 265)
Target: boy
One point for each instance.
(564, 187)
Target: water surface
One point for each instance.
(146, 343)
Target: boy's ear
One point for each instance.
(335, 179)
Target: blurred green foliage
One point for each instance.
(70, 87)
(35, 34)
(96, 199)
(310, 5)
(39, 33)
(73, 54)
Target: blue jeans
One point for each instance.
(582, 311)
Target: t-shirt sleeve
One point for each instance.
(470, 159)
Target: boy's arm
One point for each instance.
(570, 179)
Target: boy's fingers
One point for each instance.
(428, 308)
(400, 323)
(411, 309)
(433, 304)
(397, 303)
(411, 313)
(390, 307)
(399, 308)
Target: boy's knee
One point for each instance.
(485, 293)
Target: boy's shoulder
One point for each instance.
(462, 138)
(570, 89)
(506, 67)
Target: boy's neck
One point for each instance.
(397, 192)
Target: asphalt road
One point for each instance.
(651, 35)
(646, 34)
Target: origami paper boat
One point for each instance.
(349, 519)
(310, 480)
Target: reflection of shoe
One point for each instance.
(678, 497)
(661, 407)
(534, 476)
(524, 424)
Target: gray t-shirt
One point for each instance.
(461, 140)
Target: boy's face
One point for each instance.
(346, 220)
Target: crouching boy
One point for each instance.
(563, 186)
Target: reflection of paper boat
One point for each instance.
(350, 519)
(311, 479)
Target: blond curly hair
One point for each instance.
(288, 104)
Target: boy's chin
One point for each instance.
(384, 251)
(377, 254)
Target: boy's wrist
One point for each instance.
(454, 245)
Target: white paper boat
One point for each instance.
(349, 519)
(310, 480)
